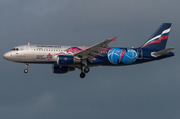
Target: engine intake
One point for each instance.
(67, 60)
(61, 69)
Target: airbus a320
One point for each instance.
(69, 58)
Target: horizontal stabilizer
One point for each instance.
(162, 52)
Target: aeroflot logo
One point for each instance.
(49, 46)
(163, 36)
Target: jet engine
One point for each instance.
(61, 69)
(67, 60)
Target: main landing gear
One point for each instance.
(86, 70)
(26, 70)
(82, 74)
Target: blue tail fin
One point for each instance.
(158, 40)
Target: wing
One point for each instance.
(89, 53)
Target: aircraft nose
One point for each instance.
(6, 56)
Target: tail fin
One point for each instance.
(158, 40)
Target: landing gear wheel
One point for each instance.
(25, 71)
(86, 69)
(82, 75)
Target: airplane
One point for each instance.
(67, 58)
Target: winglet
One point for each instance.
(114, 39)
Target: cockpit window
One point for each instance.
(14, 49)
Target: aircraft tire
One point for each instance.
(25, 71)
(86, 69)
(82, 75)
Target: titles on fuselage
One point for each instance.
(49, 46)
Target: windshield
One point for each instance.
(14, 49)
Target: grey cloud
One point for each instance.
(42, 7)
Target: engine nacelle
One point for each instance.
(67, 60)
(61, 69)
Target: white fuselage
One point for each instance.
(37, 53)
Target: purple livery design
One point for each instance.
(68, 58)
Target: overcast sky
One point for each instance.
(144, 91)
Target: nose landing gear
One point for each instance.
(26, 70)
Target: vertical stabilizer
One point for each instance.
(158, 40)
